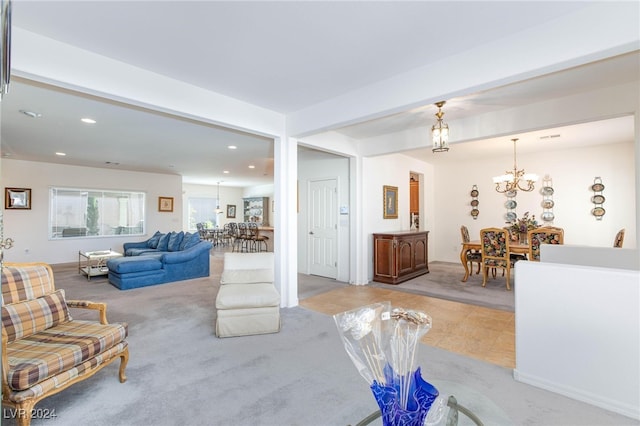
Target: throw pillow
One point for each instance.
(24, 319)
(153, 241)
(163, 244)
(175, 240)
(189, 240)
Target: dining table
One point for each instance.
(514, 247)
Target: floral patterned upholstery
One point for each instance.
(617, 243)
(473, 256)
(495, 252)
(543, 235)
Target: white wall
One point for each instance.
(325, 168)
(228, 196)
(393, 170)
(28, 228)
(572, 173)
(578, 333)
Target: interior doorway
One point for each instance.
(414, 200)
(323, 228)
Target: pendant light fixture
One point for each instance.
(218, 209)
(440, 131)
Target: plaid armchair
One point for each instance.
(44, 350)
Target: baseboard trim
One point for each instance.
(580, 395)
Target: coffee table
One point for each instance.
(452, 418)
(94, 263)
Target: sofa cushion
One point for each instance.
(246, 276)
(58, 349)
(139, 251)
(163, 243)
(25, 283)
(153, 241)
(124, 265)
(189, 240)
(24, 319)
(175, 239)
(241, 296)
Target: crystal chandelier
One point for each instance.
(440, 131)
(516, 179)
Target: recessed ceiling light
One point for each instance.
(88, 120)
(232, 147)
(31, 113)
(251, 166)
(61, 154)
(226, 172)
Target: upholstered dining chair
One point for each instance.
(543, 235)
(473, 256)
(494, 243)
(617, 243)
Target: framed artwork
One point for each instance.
(231, 211)
(390, 201)
(165, 204)
(17, 198)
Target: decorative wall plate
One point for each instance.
(474, 203)
(597, 187)
(547, 216)
(547, 190)
(475, 212)
(511, 216)
(598, 212)
(511, 194)
(474, 193)
(547, 204)
(511, 204)
(597, 199)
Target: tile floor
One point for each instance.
(473, 331)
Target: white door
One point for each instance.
(323, 228)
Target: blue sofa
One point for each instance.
(163, 258)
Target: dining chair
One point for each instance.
(494, 243)
(617, 243)
(543, 235)
(259, 242)
(473, 256)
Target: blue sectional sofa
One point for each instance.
(163, 258)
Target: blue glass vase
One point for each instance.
(421, 396)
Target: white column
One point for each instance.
(285, 226)
(358, 261)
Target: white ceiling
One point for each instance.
(283, 56)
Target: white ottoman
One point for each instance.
(248, 302)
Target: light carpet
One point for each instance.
(179, 373)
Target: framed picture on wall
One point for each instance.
(17, 198)
(165, 204)
(390, 200)
(231, 211)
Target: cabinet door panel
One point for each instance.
(420, 253)
(384, 260)
(405, 257)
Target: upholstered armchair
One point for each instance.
(617, 243)
(473, 256)
(543, 235)
(494, 243)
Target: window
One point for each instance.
(95, 213)
(203, 210)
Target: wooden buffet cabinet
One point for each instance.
(400, 256)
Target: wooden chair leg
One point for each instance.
(485, 272)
